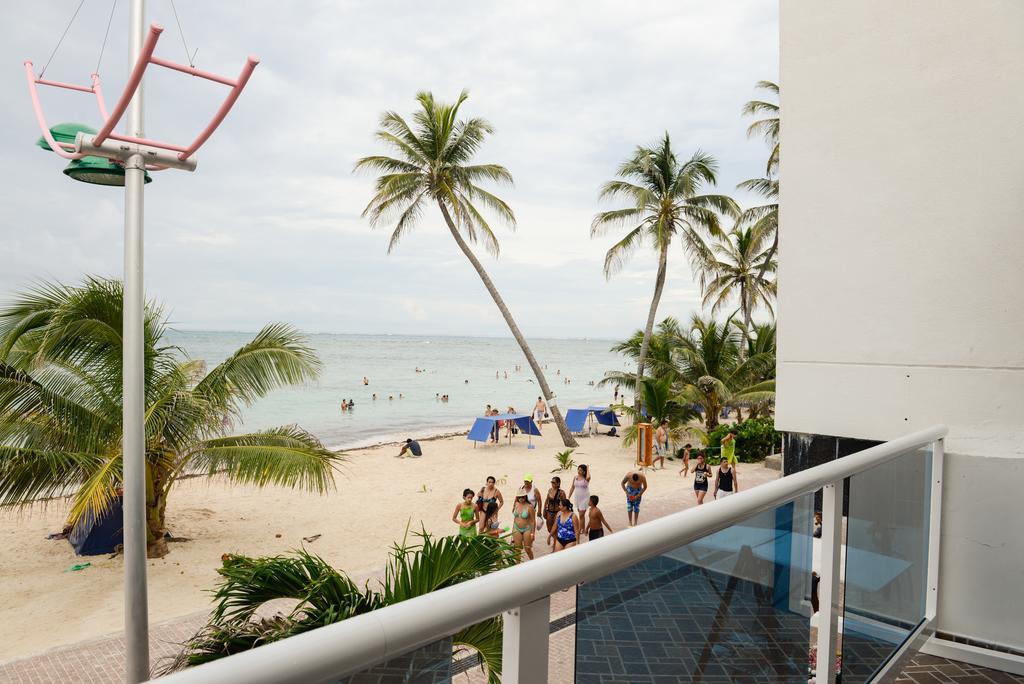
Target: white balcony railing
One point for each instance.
(522, 593)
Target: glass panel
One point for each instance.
(886, 562)
(431, 664)
(730, 607)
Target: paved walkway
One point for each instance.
(101, 660)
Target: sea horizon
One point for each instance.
(409, 374)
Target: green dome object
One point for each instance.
(65, 133)
(97, 170)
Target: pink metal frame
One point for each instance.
(135, 78)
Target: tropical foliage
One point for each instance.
(660, 402)
(769, 126)
(703, 367)
(61, 406)
(433, 166)
(756, 438)
(735, 269)
(321, 595)
(564, 461)
(665, 201)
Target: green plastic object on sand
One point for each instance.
(78, 566)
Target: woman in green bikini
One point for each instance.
(466, 515)
(524, 517)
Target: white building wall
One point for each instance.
(901, 296)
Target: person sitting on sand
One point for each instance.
(634, 484)
(596, 522)
(465, 515)
(489, 494)
(489, 525)
(413, 447)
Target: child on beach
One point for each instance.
(465, 515)
(596, 522)
(686, 460)
(489, 525)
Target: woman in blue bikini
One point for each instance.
(566, 527)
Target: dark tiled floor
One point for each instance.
(925, 669)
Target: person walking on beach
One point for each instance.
(686, 459)
(567, 529)
(727, 481)
(579, 493)
(413, 447)
(489, 494)
(660, 444)
(634, 484)
(524, 517)
(489, 525)
(729, 448)
(616, 394)
(540, 409)
(701, 475)
(596, 522)
(465, 515)
(552, 504)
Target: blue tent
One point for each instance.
(93, 537)
(482, 428)
(576, 418)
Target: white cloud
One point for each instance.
(269, 227)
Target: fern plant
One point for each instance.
(565, 461)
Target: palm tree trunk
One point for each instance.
(567, 438)
(156, 506)
(747, 304)
(768, 257)
(659, 285)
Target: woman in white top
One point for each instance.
(579, 492)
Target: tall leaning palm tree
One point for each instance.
(739, 259)
(666, 202)
(60, 407)
(433, 165)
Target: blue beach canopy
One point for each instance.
(481, 430)
(576, 418)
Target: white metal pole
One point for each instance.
(136, 608)
(829, 591)
(524, 643)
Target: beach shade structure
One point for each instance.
(576, 418)
(485, 425)
(104, 156)
(96, 535)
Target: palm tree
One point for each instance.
(765, 219)
(735, 268)
(713, 372)
(768, 127)
(60, 407)
(665, 203)
(324, 595)
(659, 403)
(433, 165)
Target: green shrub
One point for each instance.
(755, 440)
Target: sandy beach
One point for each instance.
(377, 497)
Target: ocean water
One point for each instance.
(461, 367)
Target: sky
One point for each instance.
(268, 228)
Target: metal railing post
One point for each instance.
(828, 585)
(934, 529)
(524, 647)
